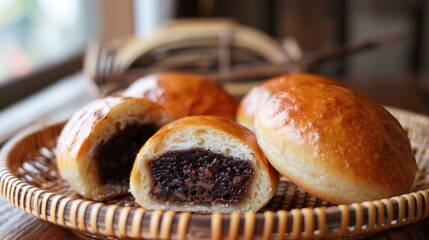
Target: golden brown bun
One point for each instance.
(335, 144)
(184, 94)
(218, 135)
(95, 123)
(259, 95)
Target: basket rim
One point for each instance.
(20, 193)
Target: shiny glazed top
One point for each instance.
(184, 94)
(345, 131)
(259, 95)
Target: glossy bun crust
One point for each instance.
(259, 95)
(335, 144)
(208, 133)
(88, 129)
(184, 94)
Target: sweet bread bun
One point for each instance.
(97, 146)
(204, 164)
(184, 94)
(335, 144)
(259, 95)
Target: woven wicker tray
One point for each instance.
(30, 181)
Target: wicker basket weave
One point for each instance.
(30, 181)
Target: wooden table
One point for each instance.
(404, 92)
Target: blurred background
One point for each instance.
(44, 41)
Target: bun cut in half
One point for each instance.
(184, 94)
(335, 144)
(203, 164)
(259, 95)
(97, 146)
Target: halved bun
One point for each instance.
(97, 147)
(336, 144)
(203, 163)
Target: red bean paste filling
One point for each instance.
(200, 176)
(115, 157)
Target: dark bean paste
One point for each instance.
(115, 157)
(199, 176)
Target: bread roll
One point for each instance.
(97, 147)
(259, 95)
(204, 164)
(336, 144)
(184, 94)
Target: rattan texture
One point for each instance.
(30, 181)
